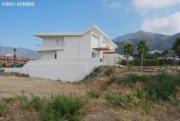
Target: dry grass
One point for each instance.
(12, 86)
(95, 109)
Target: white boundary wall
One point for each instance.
(63, 70)
(111, 59)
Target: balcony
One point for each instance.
(50, 48)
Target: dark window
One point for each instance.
(93, 54)
(55, 56)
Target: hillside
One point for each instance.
(154, 41)
(21, 52)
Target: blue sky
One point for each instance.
(114, 17)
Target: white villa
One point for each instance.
(70, 56)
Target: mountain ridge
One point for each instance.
(155, 41)
(20, 52)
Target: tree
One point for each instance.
(128, 50)
(14, 50)
(165, 54)
(176, 47)
(142, 50)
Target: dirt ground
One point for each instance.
(13, 86)
(95, 109)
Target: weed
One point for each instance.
(162, 87)
(95, 72)
(128, 80)
(144, 94)
(62, 108)
(24, 101)
(117, 99)
(19, 75)
(36, 103)
(112, 80)
(7, 99)
(109, 71)
(93, 93)
(3, 108)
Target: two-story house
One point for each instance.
(70, 56)
(92, 43)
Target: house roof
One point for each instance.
(56, 34)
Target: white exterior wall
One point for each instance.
(111, 59)
(48, 55)
(94, 42)
(85, 46)
(70, 70)
(53, 42)
(71, 49)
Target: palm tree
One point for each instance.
(176, 47)
(14, 50)
(142, 50)
(128, 50)
(165, 54)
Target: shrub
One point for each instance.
(162, 87)
(3, 108)
(177, 79)
(95, 72)
(24, 101)
(93, 93)
(150, 62)
(36, 103)
(109, 71)
(62, 108)
(130, 80)
(112, 80)
(117, 99)
(19, 75)
(144, 94)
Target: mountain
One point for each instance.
(20, 52)
(154, 41)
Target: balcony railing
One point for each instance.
(50, 47)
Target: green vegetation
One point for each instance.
(62, 108)
(150, 62)
(109, 71)
(93, 93)
(58, 108)
(117, 99)
(36, 103)
(176, 47)
(128, 50)
(3, 108)
(160, 86)
(19, 75)
(142, 50)
(94, 73)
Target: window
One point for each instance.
(55, 56)
(57, 42)
(94, 55)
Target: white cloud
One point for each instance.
(112, 4)
(154, 4)
(166, 25)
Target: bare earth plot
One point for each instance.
(13, 86)
(94, 109)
